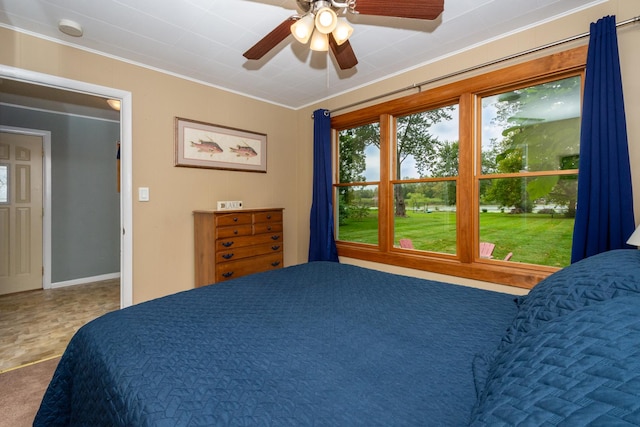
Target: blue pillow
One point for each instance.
(589, 281)
(582, 368)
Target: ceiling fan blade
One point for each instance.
(271, 40)
(343, 53)
(420, 9)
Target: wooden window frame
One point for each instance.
(466, 263)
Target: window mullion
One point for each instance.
(385, 206)
(464, 189)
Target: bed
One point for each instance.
(319, 343)
(337, 345)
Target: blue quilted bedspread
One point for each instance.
(572, 355)
(317, 344)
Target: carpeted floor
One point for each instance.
(21, 392)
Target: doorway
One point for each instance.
(126, 221)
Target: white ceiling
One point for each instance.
(204, 40)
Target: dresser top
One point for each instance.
(237, 211)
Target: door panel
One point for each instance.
(20, 212)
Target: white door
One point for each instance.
(21, 212)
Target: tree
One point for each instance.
(509, 192)
(414, 139)
(446, 162)
(352, 160)
(353, 142)
(446, 165)
(565, 191)
(538, 123)
(489, 165)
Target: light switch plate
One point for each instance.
(143, 194)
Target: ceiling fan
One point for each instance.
(323, 23)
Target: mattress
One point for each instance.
(315, 344)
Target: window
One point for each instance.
(424, 183)
(359, 176)
(528, 181)
(421, 181)
(4, 184)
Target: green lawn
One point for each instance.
(533, 238)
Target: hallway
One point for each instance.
(38, 325)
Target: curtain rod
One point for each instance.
(477, 67)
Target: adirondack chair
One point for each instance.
(406, 244)
(486, 250)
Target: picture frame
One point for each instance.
(205, 145)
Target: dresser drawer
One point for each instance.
(229, 255)
(233, 269)
(236, 242)
(240, 230)
(267, 227)
(235, 218)
(269, 216)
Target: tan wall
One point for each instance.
(560, 29)
(163, 228)
(163, 241)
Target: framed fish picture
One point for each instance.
(204, 145)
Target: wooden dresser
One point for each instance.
(230, 244)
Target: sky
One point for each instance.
(561, 106)
(444, 131)
(558, 106)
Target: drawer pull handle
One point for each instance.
(275, 237)
(227, 244)
(235, 219)
(227, 274)
(235, 231)
(227, 256)
(269, 228)
(275, 263)
(275, 247)
(268, 216)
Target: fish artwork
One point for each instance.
(207, 146)
(244, 151)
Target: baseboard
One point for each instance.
(85, 280)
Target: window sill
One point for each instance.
(505, 273)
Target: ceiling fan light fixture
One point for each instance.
(326, 20)
(302, 28)
(342, 31)
(319, 42)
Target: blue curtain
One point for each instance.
(604, 216)
(322, 245)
